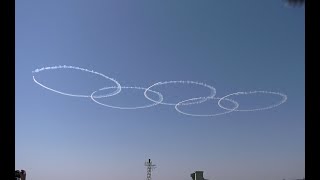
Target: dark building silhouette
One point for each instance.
(197, 175)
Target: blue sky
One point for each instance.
(233, 46)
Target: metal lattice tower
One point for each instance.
(150, 167)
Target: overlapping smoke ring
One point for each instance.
(124, 87)
(160, 101)
(182, 103)
(81, 69)
(211, 95)
(284, 99)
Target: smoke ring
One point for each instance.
(125, 108)
(206, 115)
(81, 69)
(284, 99)
(212, 93)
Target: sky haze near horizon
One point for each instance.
(232, 46)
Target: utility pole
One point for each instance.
(150, 167)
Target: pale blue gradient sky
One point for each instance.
(231, 45)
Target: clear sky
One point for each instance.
(231, 45)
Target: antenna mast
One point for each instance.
(150, 167)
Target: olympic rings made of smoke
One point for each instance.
(199, 100)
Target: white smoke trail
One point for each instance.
(284, 99)
(212, 93)
(206, 115)
(81, 69)
(191, 101)
(136, 107)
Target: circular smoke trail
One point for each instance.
(135, 107)
(284, 99)
(212, 91)
(77, 68)
(206, 115)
